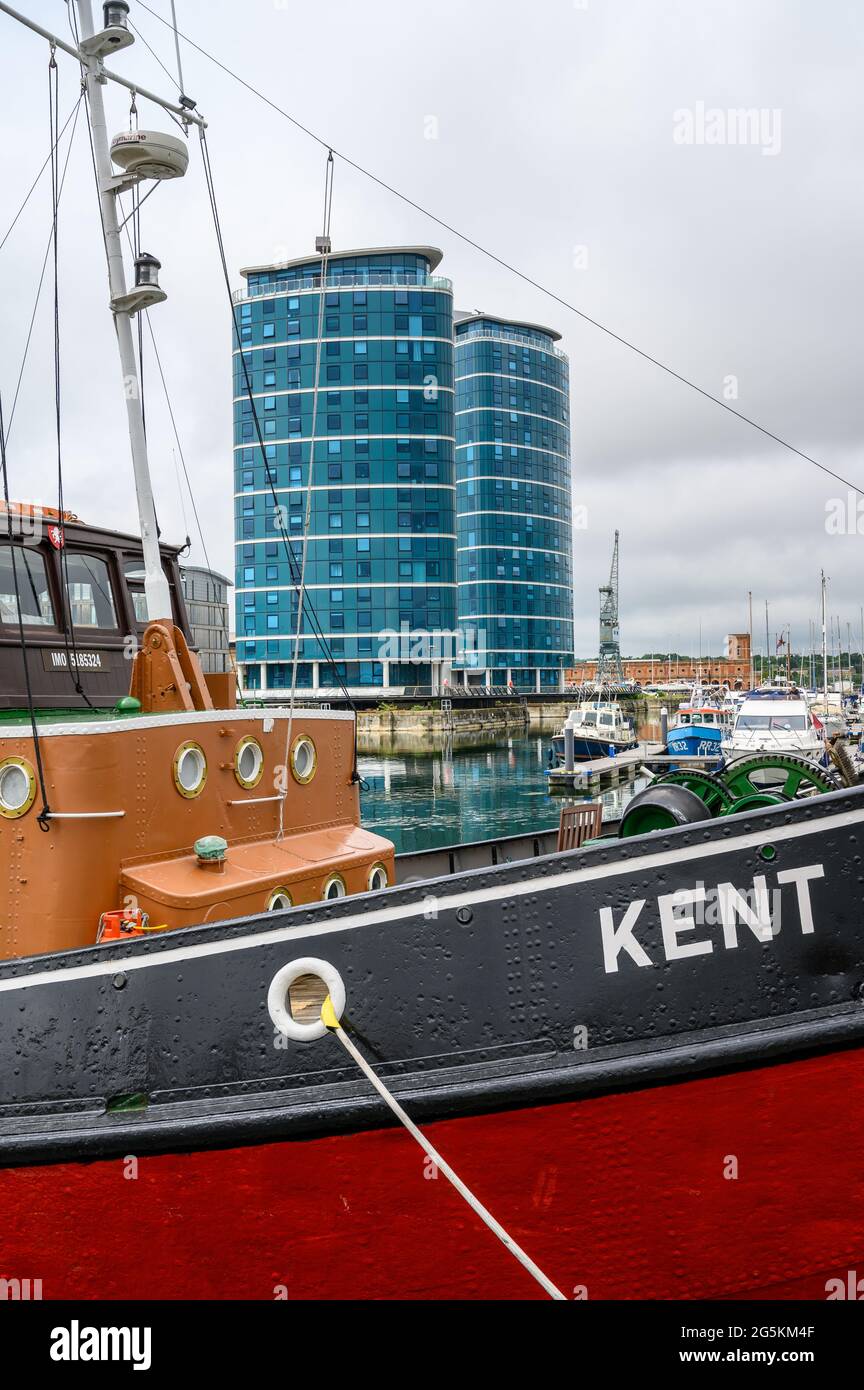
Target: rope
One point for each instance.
(330, 1020)
(44, 814)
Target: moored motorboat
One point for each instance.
(699, 725)
(600, 729)
(774, 721)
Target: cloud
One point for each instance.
(554, 147)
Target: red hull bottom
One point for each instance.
(627, 1196)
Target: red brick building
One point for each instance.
(732, 669)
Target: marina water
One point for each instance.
(422, 797)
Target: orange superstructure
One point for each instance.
(131, 796)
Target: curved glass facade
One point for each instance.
(381, 540)
(513, 491)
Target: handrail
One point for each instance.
(525, 339)
(384, 279)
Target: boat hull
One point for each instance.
(754, 747)
(745, 1185)
(584, 748)
(548, 1019)
(695, 740)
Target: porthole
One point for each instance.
(190, 769)
(304, 759)
(334, 888)
(279, 900)
(248, 762)
(377, 878)
(17, 787)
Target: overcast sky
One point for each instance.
(560, 142)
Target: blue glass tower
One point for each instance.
(381, 542)
(513, 503)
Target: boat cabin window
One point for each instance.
(777, 722)
(91, 601)
(134, 571)
(37, 609)
(589, 717)
(606, 719)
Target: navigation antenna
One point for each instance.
(609, 668)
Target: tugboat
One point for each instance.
(587, 1036)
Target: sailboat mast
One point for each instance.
(824, 648)
(156, 588)
(767, 641)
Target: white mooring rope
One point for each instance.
(329, 1018)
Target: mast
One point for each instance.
(824, 649)
(156, 587)
(767, 642)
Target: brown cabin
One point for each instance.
(82, 599)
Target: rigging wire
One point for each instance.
(170, 407)
(72, 663)
(307, 518)
(278, 509)
(182, 501)
(177, 46)
(39, 286)
(73, 25)
(136, 252)
(32, 188)
(155, 55)
(508, 266)
(45, 814)
(192, 500)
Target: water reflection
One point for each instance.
(453, 794)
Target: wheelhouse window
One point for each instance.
(37, 609)
(91, 600)
(134, 571)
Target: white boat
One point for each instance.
(600, 727)
(774, 721)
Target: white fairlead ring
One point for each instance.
(277, 997)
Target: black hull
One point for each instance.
(467, 992)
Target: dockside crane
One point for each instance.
(609, 668)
